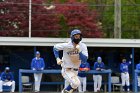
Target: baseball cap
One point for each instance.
(37, 52)
(7, 68)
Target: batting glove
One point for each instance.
(59, 61)
(78, 48)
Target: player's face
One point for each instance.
(77, 36)
(124, 60)
(37, 55)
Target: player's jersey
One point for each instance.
(98, 65)
(124, 67)
(37, 63)
(138, 66)
(82, 72)
(71, 58)
(7, 76)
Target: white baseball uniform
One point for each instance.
(71, 61)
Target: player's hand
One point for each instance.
(78, 48)
(98, 69)
(102, 69)
(42, 68)
(59, 61)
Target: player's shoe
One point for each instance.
(128, 90)
(64, 91)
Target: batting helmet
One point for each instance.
(75, 32)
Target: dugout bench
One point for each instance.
(21, 71)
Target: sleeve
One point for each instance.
(2, 76)
(57, 48)
(32, 64)
(43, 63)
(84, 53)
(137, 67)
(121, 68)
(88, 66)
(95, 66)
(12, 76)
(103, 66)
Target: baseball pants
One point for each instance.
(97, 82)
(37, 77)
(125, 79)
(3, 83)
(71, 77)
(82, 87)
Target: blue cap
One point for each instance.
(7, 68)
(37, 52)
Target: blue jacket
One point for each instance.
(7, 76)
(82, 72)
(98, 65)
(37, 64)
(124, 67)
(138, 66)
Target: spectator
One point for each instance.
(99, 66)
(125, 74)
(37, 64)
(84, 68)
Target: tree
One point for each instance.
(78, 15)
(14, 19)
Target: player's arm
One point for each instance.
(42, 64)
(121, 68)
(83, 53)
(3, 77)
(56, 49)
(87, 67)
(95, 66)
(32, 65)
(11, 76)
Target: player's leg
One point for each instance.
(13, 86)
(72, 78)
(1, 84)
(84, 84)
(123, 80)
(39, 80)
(80, 87)
(37, 83)
(95, 78)
(127, 82)
(66, 84)
(99, 82)
(138, 78)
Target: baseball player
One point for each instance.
(99, 66)
(124, 74)
(138, 68)
(84, 68)
(7, 79)
(74, 52)
(37, 64)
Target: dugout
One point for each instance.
(18, 52)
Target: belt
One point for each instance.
(75, 69)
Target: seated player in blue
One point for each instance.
(99, 66)
(84, 68)
(37, 64)
(7, 79)
(125, 74)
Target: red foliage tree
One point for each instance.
(79, 15)
(15, 16)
